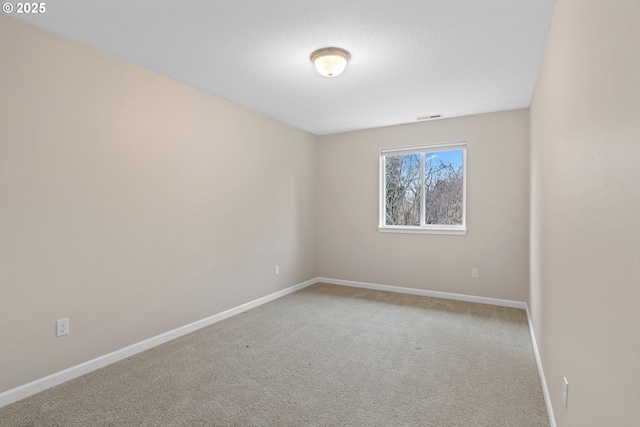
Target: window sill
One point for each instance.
(424, 230)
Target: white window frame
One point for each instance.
(423, 228)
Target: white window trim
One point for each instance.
(458, 230)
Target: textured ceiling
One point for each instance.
(409, 58)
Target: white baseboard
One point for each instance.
(21, 392)
(424, 293)
(545, 389)
(26, 390)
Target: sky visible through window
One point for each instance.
(452, 156)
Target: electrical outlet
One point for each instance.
(474, 273)
(277, 269)
(565, 392)
(62, 327)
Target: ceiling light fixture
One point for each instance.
(330, 61)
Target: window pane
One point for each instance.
(402, 192)
(443, 187)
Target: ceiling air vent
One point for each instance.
(436, 116)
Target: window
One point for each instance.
(423, 189)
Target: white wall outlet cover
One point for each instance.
(62, 327)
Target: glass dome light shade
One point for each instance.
(330, 61)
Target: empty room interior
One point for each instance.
(173, 171)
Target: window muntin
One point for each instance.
(422, 189)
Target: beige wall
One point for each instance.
(585, 229)
(351, 248)
(133, 204)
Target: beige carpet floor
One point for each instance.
(323, 356)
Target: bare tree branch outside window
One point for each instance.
(403, 189)
(443, 190)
